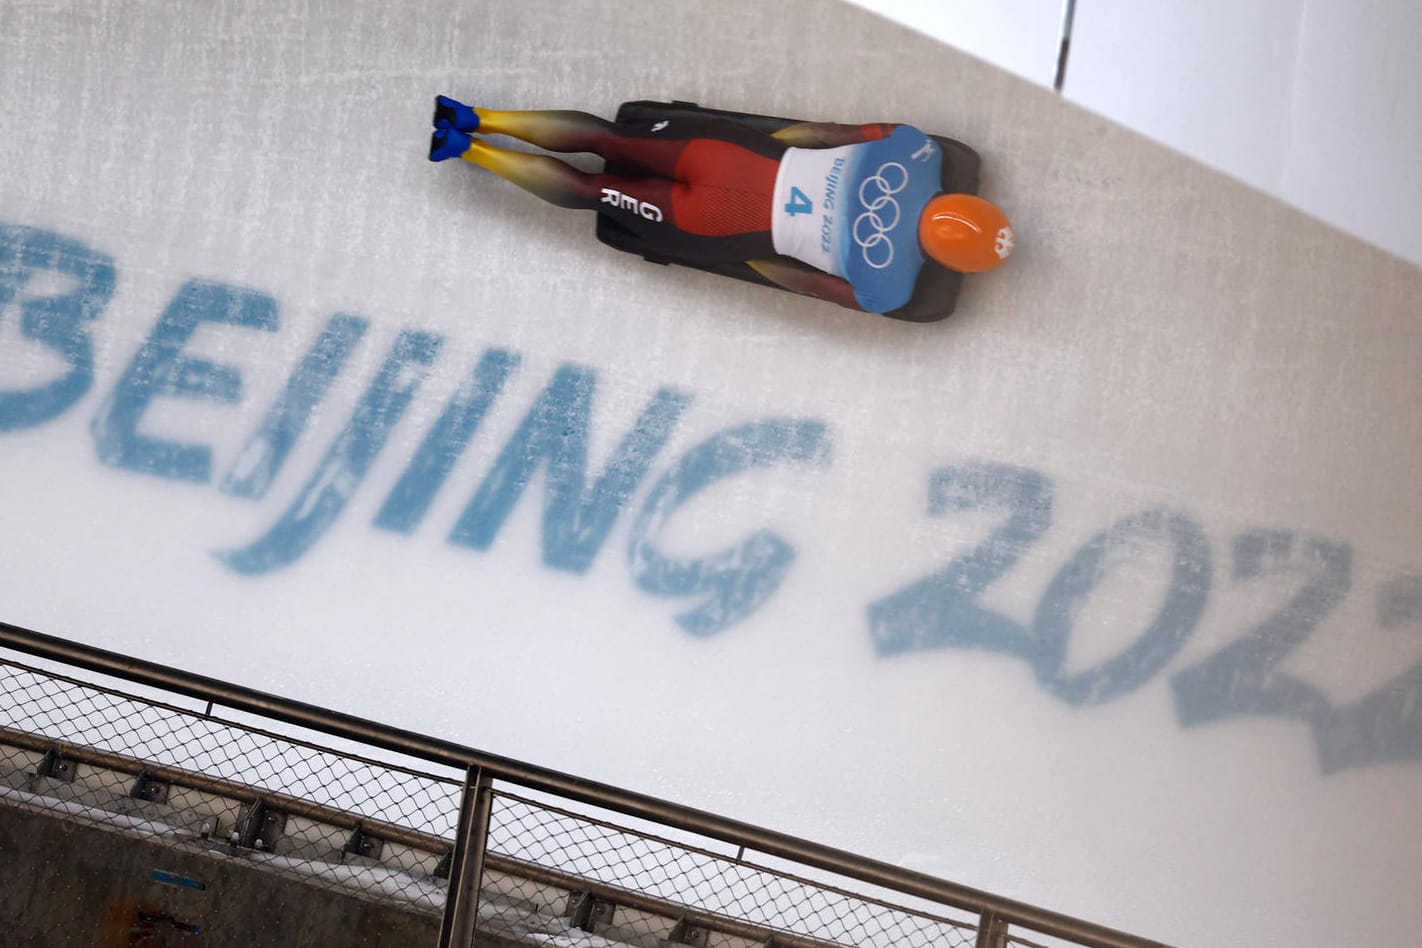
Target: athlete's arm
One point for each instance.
(831, 134)
(807, 281)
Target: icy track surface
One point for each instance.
(1105, 594)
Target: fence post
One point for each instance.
(992, 931)
(466, 867)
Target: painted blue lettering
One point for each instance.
(576, 516)
(737, 581)
(55, 321)
(412, 495)
(345, 465)
(1244, 679)
(160, 369)
(941, 610)
(1386, 725)
(257, 464)
(1399, 601)
(1179, 613)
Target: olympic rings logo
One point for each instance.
(881, 213)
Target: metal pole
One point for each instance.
(1064, 46)
(992, 931)
(466, 868)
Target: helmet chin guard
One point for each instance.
(965, 233)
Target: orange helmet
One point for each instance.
(965, 233)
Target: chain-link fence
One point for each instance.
(633, 884)
(381, 821)
(190, 775)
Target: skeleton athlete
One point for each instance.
(860, 207)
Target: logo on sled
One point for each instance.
(1005, 242)
(627, 202)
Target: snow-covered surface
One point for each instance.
(849, 578)
(86, 811)
(371, 881)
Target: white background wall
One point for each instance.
(1318, 102)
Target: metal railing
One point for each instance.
(489, 843)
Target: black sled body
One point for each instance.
(934, 294)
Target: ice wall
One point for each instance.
(1103, 594)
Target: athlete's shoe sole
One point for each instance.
(448, 143)
(454, 115)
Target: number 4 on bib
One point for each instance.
(799, 203)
